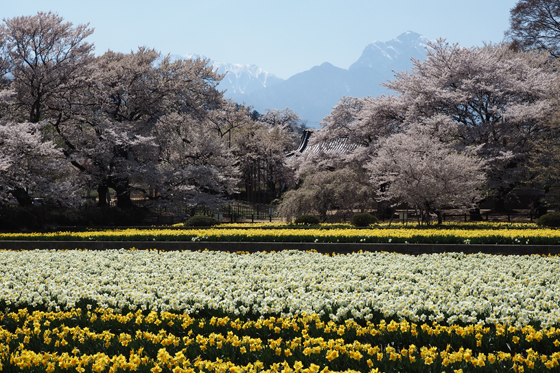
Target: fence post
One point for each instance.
(465, 217)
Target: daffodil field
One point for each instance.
(292, 311)
(499, 234)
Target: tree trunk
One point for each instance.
(322, 209)
(500, 204)
(123, 197)
(102, 190)
(384, 210)
(540, 209)
(439, 217)
(475, 215)
(23, 198)
(500, 198)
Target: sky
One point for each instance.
(282, 37)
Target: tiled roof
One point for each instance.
(341, 145)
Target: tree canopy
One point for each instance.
(535, 24)
(487, 106)
(135, 121)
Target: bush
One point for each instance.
(552, 219)
(307, 219)
(35, 218)
(18, 219)
(201, 221)
(99, 216)
(363, 220)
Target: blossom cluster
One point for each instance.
(446, 288)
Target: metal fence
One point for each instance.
(520, 216)
(241, 212)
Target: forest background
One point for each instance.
(462, 125)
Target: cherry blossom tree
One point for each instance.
(114, 141)
(499, 100)
(28, 162)
(491, 99)
(196, 167)
(44, 63)
(287, 121)
(354, 190)
(49, 61)
(113, 117)
(417, 168)
(4, 68)
(544, 161)
(229, 118)
(260, 147)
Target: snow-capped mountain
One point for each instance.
(239, 79)
(244, 79)
(394, 54)
(313, 93)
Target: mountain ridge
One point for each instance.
(313, 93)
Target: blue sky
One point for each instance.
(282, 37)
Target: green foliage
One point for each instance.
(307, 219)
(363, 220)
(201, 221)
(551, 219)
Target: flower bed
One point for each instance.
(393, 224)
(215, 311)
(374, 235)
(446, 288)
(102, 340)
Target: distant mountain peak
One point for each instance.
(410, 36)
(313, 93)
(389, 55)
(239, 79)
(244, 79)
(325, 66)
(405, 37)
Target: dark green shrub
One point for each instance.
(201, 221)
(97, 216)
(363, 220)
(552, 219)
(17, 219)
(307, 219)
(34, 218)
(118, 216)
